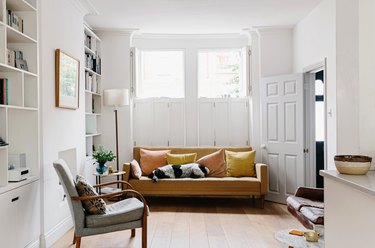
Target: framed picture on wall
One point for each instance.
(66, 80)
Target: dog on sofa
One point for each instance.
(192, 170)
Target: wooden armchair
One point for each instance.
(129, 213)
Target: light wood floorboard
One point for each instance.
(200, 223)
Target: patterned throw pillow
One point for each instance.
(136, 169)
(84, 188)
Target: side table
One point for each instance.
(99, 178)
(297, 241)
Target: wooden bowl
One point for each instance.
(311, 236)
(353, 164)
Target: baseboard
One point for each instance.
(58, 231)
(35, 244)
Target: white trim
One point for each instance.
(85, 7)
(58, 231)
(189, 36)
(115, 31)
(34, 244)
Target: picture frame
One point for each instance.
(67, 77)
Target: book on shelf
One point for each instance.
(93, 62)
(4, 91)
(15, 21)
(15, 59)
(88, 41)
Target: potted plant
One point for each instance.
(102, 156)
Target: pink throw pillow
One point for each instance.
(150, 160)
(136, 169)
(215, 162)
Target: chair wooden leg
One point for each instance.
(74, 238)
(78, 242)
(144, 232)
(133, 233)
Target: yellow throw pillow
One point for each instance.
(181, 158)
(240, 164)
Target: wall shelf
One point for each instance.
(15, 36)
(92, 72)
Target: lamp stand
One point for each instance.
(117, 157)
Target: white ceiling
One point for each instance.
(197, 16)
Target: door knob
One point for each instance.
(263, 146)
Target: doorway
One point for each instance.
(315, 124)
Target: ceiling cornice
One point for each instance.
(85, 7)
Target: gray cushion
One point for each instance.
(84, 188)
(120, 212)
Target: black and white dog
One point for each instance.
(192, 170)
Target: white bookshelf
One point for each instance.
(19, 124)
(93, 95)
(19, 118)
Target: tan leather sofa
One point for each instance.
(210, 186)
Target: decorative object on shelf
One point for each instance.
(116, 98)
(15, 21)
(102, 156)
(110, 169)
(22, 64)
(67, 80)
(353, 164)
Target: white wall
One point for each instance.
(276, 51)
(367, 77)
(314, 40)
(61, 26)
(115, 48)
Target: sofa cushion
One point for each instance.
(84, 188)
(240, 164)
(150, 160)
(136, 169)
(181, 158)
(215, 162)
(120, 212)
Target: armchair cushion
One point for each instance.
(124, 211)
(84, 188)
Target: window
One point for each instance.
(221, 73)
(160, 74)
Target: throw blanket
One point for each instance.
(192, 170)
(299, 202)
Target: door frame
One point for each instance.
(309, 120)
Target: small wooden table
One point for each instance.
(99, 177)
(297, 241)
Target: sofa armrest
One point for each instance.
(127, 168)
(262, 174)
(315, 194)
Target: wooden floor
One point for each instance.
(200, 223)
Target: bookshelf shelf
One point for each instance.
(89, 51)
(18, 107)
(3, 147)
(15, 36)
(96, 114)
(93, 134)
(92, 93)
(92, 72)
(8, 68)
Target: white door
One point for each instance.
(282, 134)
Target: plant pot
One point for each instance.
(352, 164)
(101, 168)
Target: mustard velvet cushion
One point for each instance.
(181, 158)
(240, 164)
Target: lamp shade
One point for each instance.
(116, 97)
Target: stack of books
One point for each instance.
(91, 84)
(15, 21)
(4, 88)
(88, 41)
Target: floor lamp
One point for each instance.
(116, 98)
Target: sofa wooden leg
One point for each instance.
(74, 238)
(144, 232)
(262, 201)
(133, 233)
(78, 242)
